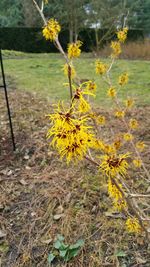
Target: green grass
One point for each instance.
(42, 73)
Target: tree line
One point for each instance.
(77, 15)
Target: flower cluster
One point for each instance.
(129, 103)
(51, 30)
(101, 68)
(133, 226)
(90, 86)
(120, 113)
(113, 165)
(118, 200)
(137, 162)
(112, 92)
(133, 124)
(122, 35)
(123, 79)
(72, 137)
(74, 49)
(116, 47)
(128, 137)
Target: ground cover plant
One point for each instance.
(78, 204)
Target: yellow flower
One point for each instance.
(122, 35)
(74, 49)
(83, 105)
(120, 205)
(112, 165)
(129, 103)
(46, 1)
(66, 69)
(116, 48)
(101, 120)
(132, 225)
(119, 113)
(111, 92)
(117, 144)
(51, 30)
(137, 163)
(71, 137)
(90, 86)
(123, 79)
(140, 146)
(108, 149)
(118, 201)
(128, 137)
(133, 124)
(101, 68)
(98, 144)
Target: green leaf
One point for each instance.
(63, 253)
(120, 253)
(72, 253)
(78, 244)
(57, 244)
(60, 237)
(51, 257)
(60, 245)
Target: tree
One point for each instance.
(141, 16)
(70, 13)
(11, 13)
(31, 17)
(103, 15)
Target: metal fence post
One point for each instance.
(7, 101)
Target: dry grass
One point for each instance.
(132, 50)
(35, 186)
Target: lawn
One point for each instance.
(42, 73)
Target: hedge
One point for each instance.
(31, 39)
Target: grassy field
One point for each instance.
(42, 73)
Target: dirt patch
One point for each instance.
(36, 186)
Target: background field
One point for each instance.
(42, 73)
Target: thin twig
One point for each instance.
(57, 44)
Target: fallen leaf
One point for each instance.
(28, 168)
(59, 209)
(47, 241)
(9, 173)
(23, 182)
(26, 157)
(33, 214)
(58, 217)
